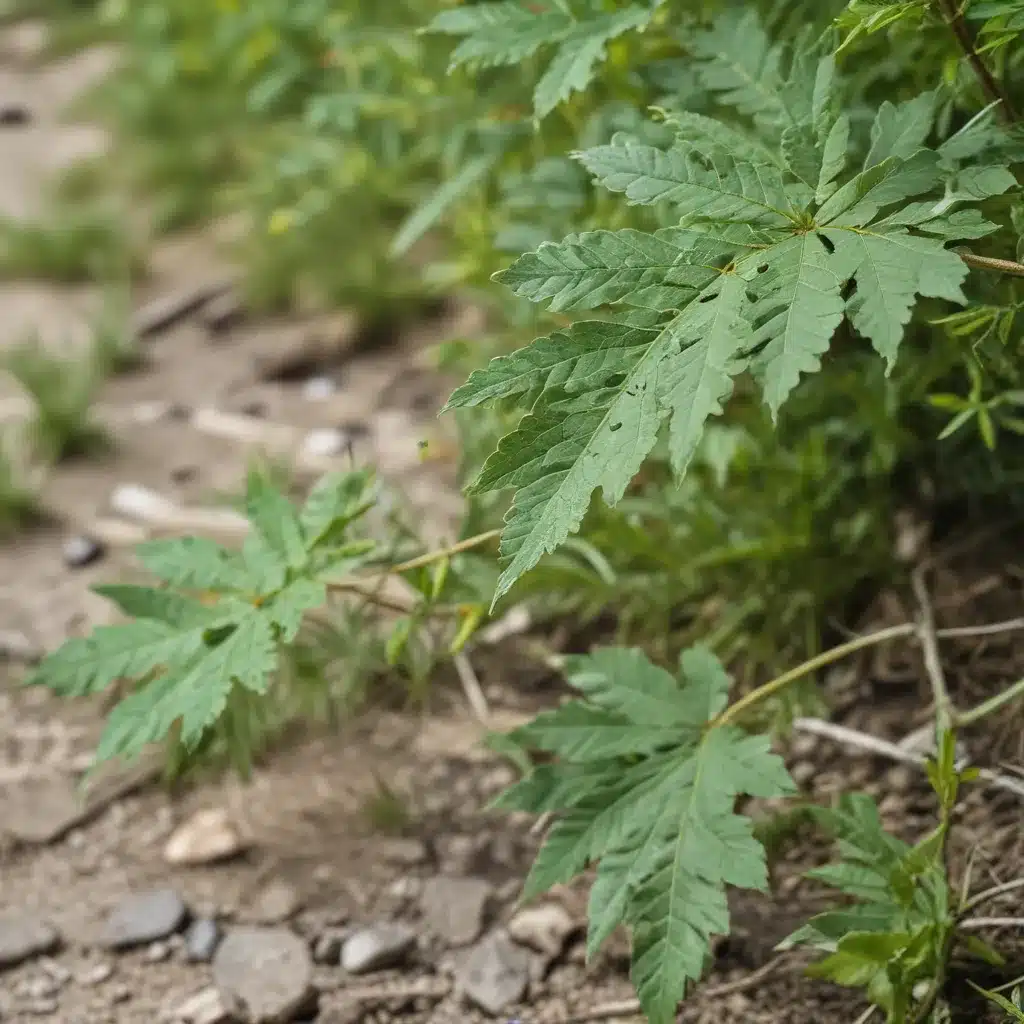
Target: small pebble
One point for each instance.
(209, 835)
(80, 551)
(326, 442)
(201, 940)
(144, 917)
(318, 389)
(14, 115)
(158, 953)
(96, 975)
(377, 947)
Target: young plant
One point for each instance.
(209, 648)
(62, 391)
(19, 501)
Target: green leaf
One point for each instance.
(566, 448)
(496, 34)
(858, 201)
(89, 664)
(162, 605)
(797, 308)
(333, 503)
(600, 267)
(194, 563)
(288, 607)
(573, 67)
(193, 692)
(662, 829)
(274, 519)
(900, 130)
(713, 187)
(502, 33)
(738, 62)
(891, 270)
(860, 958)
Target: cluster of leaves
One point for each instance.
(221, 654)
(753, 279)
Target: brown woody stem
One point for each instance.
(990, 85)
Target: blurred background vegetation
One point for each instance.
(363, 173)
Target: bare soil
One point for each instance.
(308, 813)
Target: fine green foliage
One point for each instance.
(62, 391)
(190, 649)
(510, 31)
(645, 784)
(755, 279)
(223, 651)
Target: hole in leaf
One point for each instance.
(763, 269)
(615, 426)
(828, 243)
(616, 380)
(708, 298)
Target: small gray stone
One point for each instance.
(495, 974)
(144, 917)
(454, 908)
(264, 975)
(96, 975)
(318, 389)
(23, 937)
(201, 940)
(275, 903)
(80, 551)
(377, 947)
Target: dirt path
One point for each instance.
(312, 858)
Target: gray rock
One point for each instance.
(80, 551)
(201, 940)
(144, 917)
(454, 908)
(275, 903)
(377, 947)
(264, 975)
(495, 974)
(23, 936)
(544, 928)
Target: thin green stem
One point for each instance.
(986, 708)
(436, 556)
(769, 689)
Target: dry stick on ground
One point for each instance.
(884, 748)
(944, 712)
(991, 894)
(976, 923)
